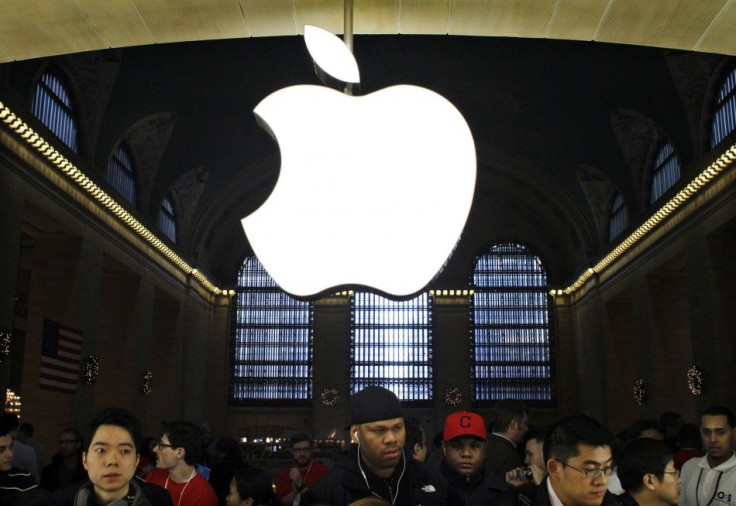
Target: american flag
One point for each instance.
(62, 348)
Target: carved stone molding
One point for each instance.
(598, 190)
(148, 139)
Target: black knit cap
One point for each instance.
(373, 404)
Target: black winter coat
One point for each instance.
(345, 484)
(481, 488)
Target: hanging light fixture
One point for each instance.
(356, 199)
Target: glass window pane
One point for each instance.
(391, 345)
(724, 110)
(666, 171)
(619, 218)
(166, 219)
(52, 105)
(272, 341)
(511, 327)
(121, 175)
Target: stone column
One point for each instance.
(11, 209)
(331, 364)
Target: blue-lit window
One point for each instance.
(724, 113)
(511, 343)
(121, 174)
(52, 105)
(391, 346)
(166, 219)
(271, 351)
(618, 218)
(666, 171)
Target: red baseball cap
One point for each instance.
(465, 423)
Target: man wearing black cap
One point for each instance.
(375, 466)
(464, 447)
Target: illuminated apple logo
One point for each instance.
(373, 191)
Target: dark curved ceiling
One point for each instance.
(538, 109)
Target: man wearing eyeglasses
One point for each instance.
(647, 473)
(178, 451)
(295, 481)
(711, 480)
(577, 453)
(66, 466)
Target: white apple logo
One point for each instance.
(373, 191)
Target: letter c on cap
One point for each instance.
(465, 422)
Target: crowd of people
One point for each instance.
(576, 461)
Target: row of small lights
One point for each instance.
(451, 293)
(723, 162)
(69, 169)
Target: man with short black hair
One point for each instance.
(647, 473)
(577, 453)
(13, 481)
(464, 449)
(416, 440)
(375, 465)
(110, 456)
(178, 451)
(534, 469)
(711, 480)
(297, 480)
(509, 428)
(23, 455)
(66, 466)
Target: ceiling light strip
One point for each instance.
(69, 169)
(693, 188)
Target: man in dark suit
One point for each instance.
(577, 453)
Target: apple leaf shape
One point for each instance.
(331, 55)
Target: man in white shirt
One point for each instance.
(711, 480)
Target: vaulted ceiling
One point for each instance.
(36, 28)
(558, 124)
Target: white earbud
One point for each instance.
(356, 437)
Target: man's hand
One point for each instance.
(296, 478)
(520, 476)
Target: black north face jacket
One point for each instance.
(419, 486)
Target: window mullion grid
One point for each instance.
(278, 329)
(509, 358)
(389, 345)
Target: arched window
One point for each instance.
(619, 217)
(121, 174)
(166, 219)
(391, 346)
(724, 110)
(511, 341)
(272, 342)
(52, 105)
(666, 171)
